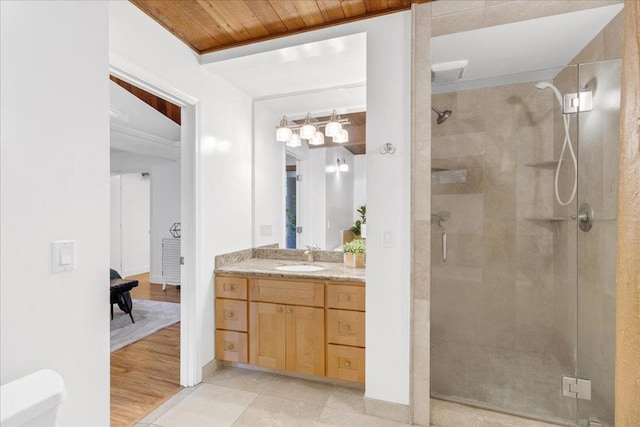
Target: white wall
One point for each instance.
(388, 208)
(388, 183)
(54, 102)
(115, 225)
(339, 196)
(359, 183)
(165, 210)
(223, 168)
(269, 167)
(135, 213)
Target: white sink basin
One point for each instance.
(299, 267)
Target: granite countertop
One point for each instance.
(266, 267)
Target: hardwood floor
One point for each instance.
(153, 291)
(146, 373)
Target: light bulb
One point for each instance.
(295, 140)
(283, 133)
(307, 131)
(318, 139)
(342, 137)
(344, 167)
(333, 128)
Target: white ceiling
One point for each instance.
(531, 50)
(320, 76)
(140, 135)
(325, 64)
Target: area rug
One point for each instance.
(150, 317)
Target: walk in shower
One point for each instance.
(523, 286)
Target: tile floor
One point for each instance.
(242, 397)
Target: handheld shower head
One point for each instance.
(442, 115)
(547, 85)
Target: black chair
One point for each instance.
(120, 293)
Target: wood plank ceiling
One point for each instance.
(210, 25)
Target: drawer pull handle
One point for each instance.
(230, 315)
(229, 287)
(289, 310)
(279, 309)
(346, 298)
(347, 364)
(230, 347)
(347, 327)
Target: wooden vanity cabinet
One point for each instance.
(303, 326)
(287, 337)
(287, 325)
(345, 332)
(231, 319)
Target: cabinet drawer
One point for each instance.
(231, 314)
(345, 363)
(231, 346)
(231, 287)
(345, 297)
(345, 327)
(287, 292)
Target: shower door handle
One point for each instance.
(444, 246)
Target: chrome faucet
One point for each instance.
(309, 252)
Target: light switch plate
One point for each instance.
(64, 256)
(387, 239)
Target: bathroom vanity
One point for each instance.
(274, 313)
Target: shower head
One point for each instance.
(547, 85)
(442, 115)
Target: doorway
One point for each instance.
(180, 173)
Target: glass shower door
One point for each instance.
(596, 238)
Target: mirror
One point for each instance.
(308, 195)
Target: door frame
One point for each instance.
(190, 209)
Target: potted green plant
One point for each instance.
(354, 253)
(359, 228)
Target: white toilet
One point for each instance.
(32, 400)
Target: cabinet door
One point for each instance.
(305, 340)
(267, 335)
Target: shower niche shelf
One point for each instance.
(547, 218)
(550, 164)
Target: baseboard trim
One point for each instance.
(156, 279)
(135, 271)
(389, 410)
(210, 368)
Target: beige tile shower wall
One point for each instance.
(492, 300)
(496, 257)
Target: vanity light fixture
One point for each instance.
(334, 127)
(283, 132)
(341, 137)
(307, 131)
(310, 130)
(318, 139)
(295, 140)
